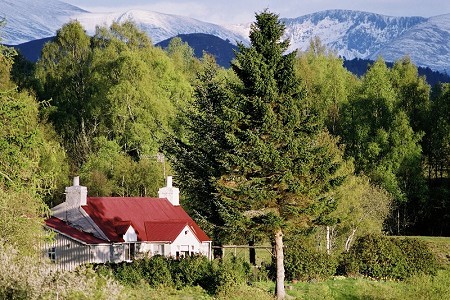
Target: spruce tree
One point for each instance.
(279, 167)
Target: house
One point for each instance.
(116, 229)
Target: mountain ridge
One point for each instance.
(350, 34)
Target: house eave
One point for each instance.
(75, 239)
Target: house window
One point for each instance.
(51, 252)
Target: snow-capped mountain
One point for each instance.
(350, 34)
(159, 26)
(427, 43)
(28, 20)
(356, 34)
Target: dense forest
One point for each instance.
(278, 148)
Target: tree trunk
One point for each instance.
(280, 291)
(349, 240)
(328, 241)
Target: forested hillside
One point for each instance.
(276, 149)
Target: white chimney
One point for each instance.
(76, 195)
(170, 192)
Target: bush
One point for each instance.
(191, 271)
(379, 256)
(305, 264)
(158, 271)
(227, 274)
(24, 277)
(155, 270)
(419, 258)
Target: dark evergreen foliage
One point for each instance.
(359, 67)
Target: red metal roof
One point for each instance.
(66, 229)
(163, 231)
(111, 213)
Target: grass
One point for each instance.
(440, 246)
(342, 288)
(262, 255)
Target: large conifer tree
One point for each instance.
(281, 163)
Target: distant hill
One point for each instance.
(32, 50)
(359, 67)
(222, 50)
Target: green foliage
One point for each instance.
(362, 209)
(110, 171)
(214, 276)
(191, 271)
(197, 155)
(229, 274)
(282, 162)
(327, 84)
(114, 97)
(63, 72)
(156, 271)
(32, 164)
(302, 263)
(389, 258)
(378, 132)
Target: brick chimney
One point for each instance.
(76, 195)
(170, 192)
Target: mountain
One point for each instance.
(351, 34)
(159, 26)
(36, 19)
(222, 50)
(28, 20)
(355, 34)
(32, 50)
(427, 43)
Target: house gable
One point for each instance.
(130, 235)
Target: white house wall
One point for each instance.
(100, 254)
(185, 240)
(130, 235)
(69, 254)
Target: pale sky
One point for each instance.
(243, 11)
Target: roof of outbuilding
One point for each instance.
(68, 230)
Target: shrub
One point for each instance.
(128, 274)
(418, 257)
(228, 274)
(155, 270)
(379, 256)
(305, 264)
(191, 271)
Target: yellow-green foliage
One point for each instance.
(24, 277)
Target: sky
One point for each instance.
(243, 11)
